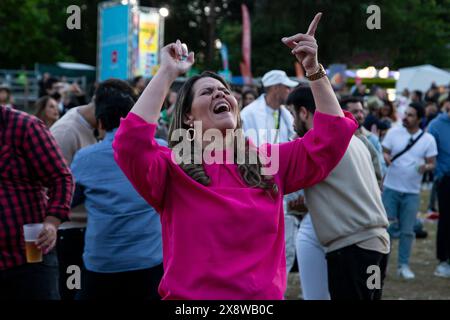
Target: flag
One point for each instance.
(224, 54)
(246, 46)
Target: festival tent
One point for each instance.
(421, 78)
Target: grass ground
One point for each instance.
(425, 286)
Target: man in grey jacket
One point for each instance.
(347, 214)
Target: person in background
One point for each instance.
(36, 186)
(440, 129)
(403, 103)
(442, 101)
(354, 106)
(388, 113)
(138, 84)
(348, 216)
(47, 110)
(311, 258)
(166, 115)
(371, 122)
(72, 96)
(405, 93)
(310, 253)
(54, 88)
(52, 85)
(75, 130)
(268, 112)
(123, 250)
(5, 97)
(433, 213)
(417, 96)
(42, 84)
(432, 95)
(378, 92)
(169, 107)
(409, 153)
(359, 90)
(68, 100)
(248, 97)
(382, 128)
(431, 112)
(238, 96)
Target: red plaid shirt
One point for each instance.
(30, 162)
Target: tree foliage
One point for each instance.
(412, 32)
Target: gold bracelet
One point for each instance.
(318, 74)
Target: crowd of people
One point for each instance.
(350, 169)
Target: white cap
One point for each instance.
(275, 77)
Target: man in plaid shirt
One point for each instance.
(36, 186)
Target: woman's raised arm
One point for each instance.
(308, 160)
(175, 61)
(304, 47)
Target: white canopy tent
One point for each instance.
(75, 66)
(421, 77)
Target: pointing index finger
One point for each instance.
(313, 26)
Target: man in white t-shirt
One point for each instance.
(401, 195)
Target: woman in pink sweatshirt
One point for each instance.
(222, 223)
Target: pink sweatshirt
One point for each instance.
(225, 240)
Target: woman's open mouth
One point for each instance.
(221, 107)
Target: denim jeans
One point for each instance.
(395, 229)
(401, 209)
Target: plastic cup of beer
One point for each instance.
(31, 233)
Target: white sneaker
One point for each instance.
(405, 272)
(442, 270)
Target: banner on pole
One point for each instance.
(148, 42)
(113, 54)
(246, 46)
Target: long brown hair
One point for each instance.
(40, 106)
(250, 173)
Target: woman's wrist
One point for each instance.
(316, 75)
(312, 70)
(167, 73)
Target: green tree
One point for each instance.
(412, 32)
(28, 34)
